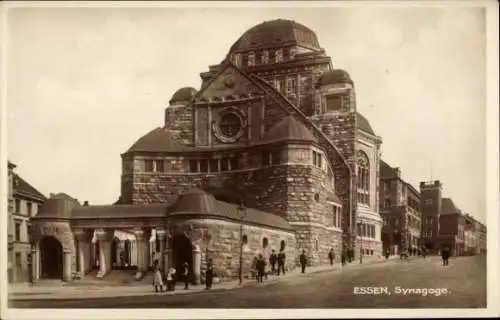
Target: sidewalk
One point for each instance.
(25, 291)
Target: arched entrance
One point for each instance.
(51, 255)
(182, 251)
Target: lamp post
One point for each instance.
(242, 210)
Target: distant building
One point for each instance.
(475, 236)
(24, 202)
(400, 212)
(481, 237)
(431, 201)
(451, 228)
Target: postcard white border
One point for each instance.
(492, 165)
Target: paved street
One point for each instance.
(464, 279)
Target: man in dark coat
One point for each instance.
(445, 255)
(273, 259)
(303, 261)
(261, 266)
(281, 262)
(344, 258)
(331, 256)
(209, 274)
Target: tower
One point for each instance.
(431, 201)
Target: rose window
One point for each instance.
(230, 125)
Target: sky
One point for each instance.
(83, 84)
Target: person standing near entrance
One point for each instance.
(157, 279)
(209, 274)
(281, 262)
(272, 261)
(303, 261)
(185, 275)
(331, 256)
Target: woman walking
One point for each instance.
(158, 279)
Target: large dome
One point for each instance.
(276, 33)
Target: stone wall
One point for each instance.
(179, 122)
(317, 240)
(224, 249)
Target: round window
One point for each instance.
(230, 125)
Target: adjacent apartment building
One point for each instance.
(451, 228)
(400, 212)
(24, 202)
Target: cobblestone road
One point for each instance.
(464, 281)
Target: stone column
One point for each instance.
(35, 263)
(104, 237)
(196, 263)
(160, 234)
(67, 272)
(84, 238)
(142, 238)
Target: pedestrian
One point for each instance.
(254, 267)
(343, 258)
(185, 275)
(387, 254)
(303, 261)
(331, 256)
(209, 274)
(281, 262)
(171, 279)
(424, 252)
(273, 259)
(445, 255)
(261, 265)
(158, 279)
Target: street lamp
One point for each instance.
(242, 211)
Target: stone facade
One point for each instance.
(263, 132)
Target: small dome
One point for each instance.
(289, 128)
(278, 32)
(194, 201)
(334, 77)
(183, 95)
(58, 206)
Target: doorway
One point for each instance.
(182, 251)
(51, 255)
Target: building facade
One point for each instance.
(24, 202)
(270, 153)
(400, 212)
(452, 228)
(431, 203)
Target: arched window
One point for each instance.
(363, 178)
(265, 243)
(244, 239)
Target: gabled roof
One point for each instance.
(448, 207)
(23, 188)
(289, 128)
(363, 124)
